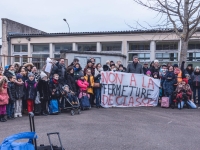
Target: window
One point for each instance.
(20, 48)
(24, 59)
(190, 56)
(16, 58)
(141, 56)
(59, 47)
(57, 56)
(139, 46)
(167, 56)
(41, 48)
(193, 45)
(39, 60)
(111, 46)
(167, 46)
(87, 47)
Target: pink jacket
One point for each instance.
(4, 97)
(82, 85)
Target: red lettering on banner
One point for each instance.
(133, 80)
(131, 101)
(124, 104)
(119, 79)
(151, 83)
(138, 101)
(103, 100)
(111, 73)
(117, 100)
(145, 104)
(109, 99)
(143, 83)
(104, 79)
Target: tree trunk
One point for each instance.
(183, 53)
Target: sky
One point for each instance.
(82, 15)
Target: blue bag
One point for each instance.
(85, 103)
(53, 106)
(9, 144)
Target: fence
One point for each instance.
(39, 62)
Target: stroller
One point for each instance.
(67, 105)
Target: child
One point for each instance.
(43, 88)
(121, 68)
(20, 94)
(69, 94)
(184, 94)
(148, 73)
(3, 98)
(155, 75)
(90, 79)
(30, 91)
(12, 97)
(82, 84)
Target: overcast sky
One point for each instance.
(82, 15)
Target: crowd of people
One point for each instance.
(22, 87)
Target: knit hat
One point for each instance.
(164, 64)
(80, 75)
(146, 63)
(175, 65)
(190, 65)
(89, 61)
(187, 75)
(185, 80)
(148, 72)
(65, 87)
(197, 67)
(19, 76)
(42, 74)
(169, 75)
(6, 67)
(31, 74)
(156, 61)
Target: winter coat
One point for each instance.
(71, 82)
(178, 75)
(57, 69)
(7, 73)
(91, 68)
(24, 78)
(106, 68)
(131, 68)
(19, 91)
(43, 89)
(180, 89)
(145, 70)
(4, 98)
(58, 89)
(168, 87)
(153, 70)
(83, 85)
(90, 87)
(30, 90)
(196, 79)
(12, 92)
(97, 76)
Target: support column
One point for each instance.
(152, 50)
(74, 47)
(179, 51)
(30, 50)
(51, 50)
(98, 47)
(125, 51)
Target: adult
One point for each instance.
(178, 73)
(134, 67)
(10, 71)
(29, 66)
(155, 68)
(145, 67)
(75, 61)
(16, 66)
(189, 70)
(70, 79)
(97, 78)
(60, 69)
(121, 68)
(196, 84)
(89, 66)
(35, 72)
(77, 71)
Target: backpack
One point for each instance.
(165, 102)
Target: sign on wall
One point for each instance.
(128, 90)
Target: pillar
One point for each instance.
(98, 47)
(30, 50)
(125, 51)
(152, 50)
(51, 50)
(74, 47)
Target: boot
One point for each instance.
(2, 118)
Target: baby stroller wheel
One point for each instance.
(72, 112)
(79, 111)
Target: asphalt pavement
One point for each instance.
(143, 128)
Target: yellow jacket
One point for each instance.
(90, 89)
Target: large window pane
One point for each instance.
(111, 46)
(87, 47)
(40, 48)
(167, 46)
(141, 56)
(24, 59)
(139, 46)
(59, 47)
(24, 48)
(39, 60)
(167, 56)
(16, 58)
(20, 48)
(16, 48)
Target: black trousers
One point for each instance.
(91, 99)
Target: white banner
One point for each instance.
(128, 90)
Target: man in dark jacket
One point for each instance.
(145, 67)
(75, 61)
(135, 67)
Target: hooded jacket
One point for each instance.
(19, 90)
(83, 85)
(43, 88)
(4, 98)
(12, 92)
(196, 79)
(71, 82)
(30, 90)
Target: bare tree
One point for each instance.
(183, 16)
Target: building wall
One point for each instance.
(9, 26)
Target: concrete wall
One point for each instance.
(9, 26)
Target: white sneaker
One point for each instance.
(20, 115)
(15, 115)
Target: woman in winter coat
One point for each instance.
(189, 70)
(97, 79)
(77, 71)
(70, 79)
(184, 94)
(89, 66)
(24, 74)
(10, 71)
(30, 91)
(196, 84)
(3, 98)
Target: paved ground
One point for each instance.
(118, 129)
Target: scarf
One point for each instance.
(13, 72)
(190, 71)
(197, 73)
(76, 69)
(31, 82)
(55, 81)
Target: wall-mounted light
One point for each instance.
(19, 40)
(28, 38)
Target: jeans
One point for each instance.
(98, 96)
(194, 94)
(10, 109)
(189, 102)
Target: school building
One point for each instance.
(24, 44)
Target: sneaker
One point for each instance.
(20, 115)
(15, 115)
